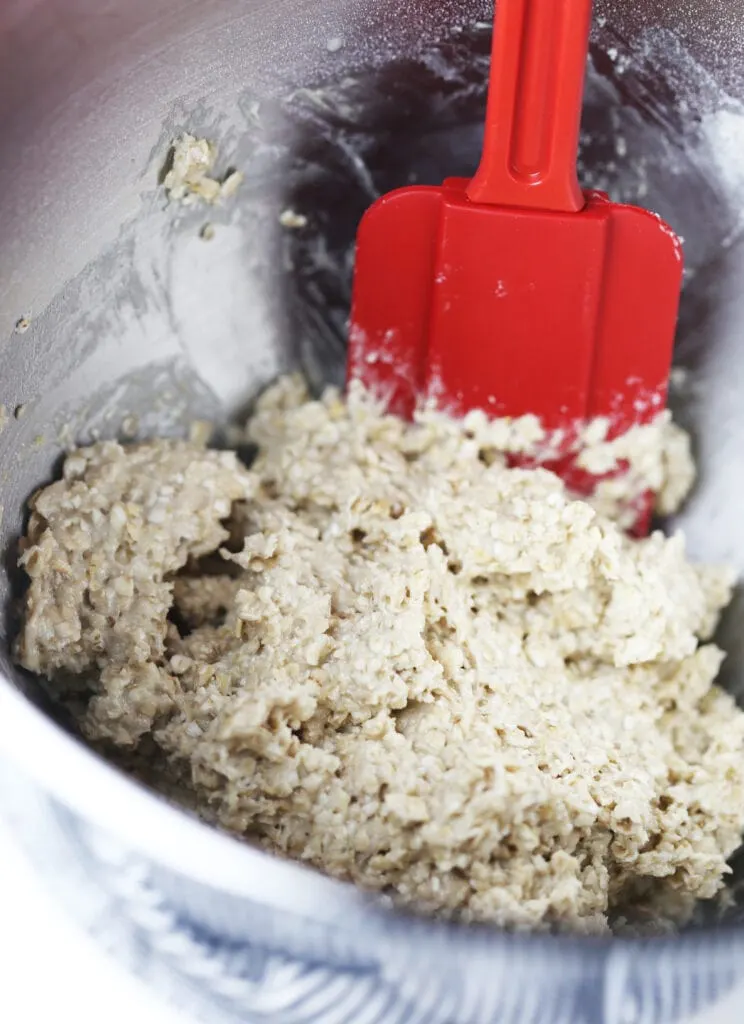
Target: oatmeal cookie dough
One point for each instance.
(382, 652)
(190, 178)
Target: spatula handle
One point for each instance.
(533, 118)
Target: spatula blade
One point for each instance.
(566, 316)
(394, 271)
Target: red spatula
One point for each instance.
(515, 292)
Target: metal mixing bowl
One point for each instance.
(135, 319)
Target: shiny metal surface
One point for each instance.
(323, 104)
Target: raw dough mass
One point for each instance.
(380, 651)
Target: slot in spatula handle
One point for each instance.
(538, 66)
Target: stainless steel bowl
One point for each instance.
(132, 316)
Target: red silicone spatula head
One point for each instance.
(515, 292)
